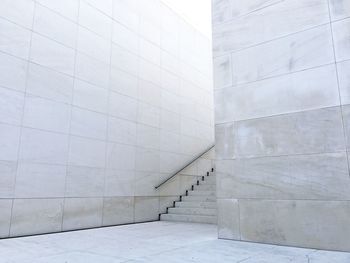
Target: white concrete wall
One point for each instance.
(282, 75)
(99, 102)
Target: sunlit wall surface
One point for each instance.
(282, 121)
(99, 101)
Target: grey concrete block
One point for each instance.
(5, 217)
(339, 9)
(346, 118)
(223, 72)
(146, 209)
(313, 131)
(228, 219)
(84, 181)
(344, 81)
(304, 50)
(226, 10)
(40, 180)
(341, 34)
(316, 224)
(36, 216)
(301, 91)
(225, 183)
(7, 178)
(118, 210)
(265, 24)
(224, 141)
(80, 213)
(317, 177)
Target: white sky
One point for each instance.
(196, 12)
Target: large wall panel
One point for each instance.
(281, 78)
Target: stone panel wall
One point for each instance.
(282, 75)
(99, 102)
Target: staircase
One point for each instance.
(198, 205)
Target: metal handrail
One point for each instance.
(188, 164)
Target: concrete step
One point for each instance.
(196, 204)
(199, 198)
(189, 218)
(207, 180)
(212, 183)
(199, 206)
(201, 193)
(205, 187)
(210, 178)
(192, 211)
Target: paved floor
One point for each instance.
(153, 242)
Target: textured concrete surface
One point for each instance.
(99, 102)
(281, 71)
(154, 242)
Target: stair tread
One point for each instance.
(187, 215)
(193, 208)
(190, 218)
(198, 198)
(198, 204)
(209, 192)
(205, 186)
(192, 211)
(201, 202)
(203, 191)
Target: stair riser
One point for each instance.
(196, 204)
(201, 193)
(192, 211)
(190, 219)
(199, 198)
(209, 179)
(211, 182)
(205, 187)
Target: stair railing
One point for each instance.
(184, 167)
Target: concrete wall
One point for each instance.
(282, 85)
(99, 102)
